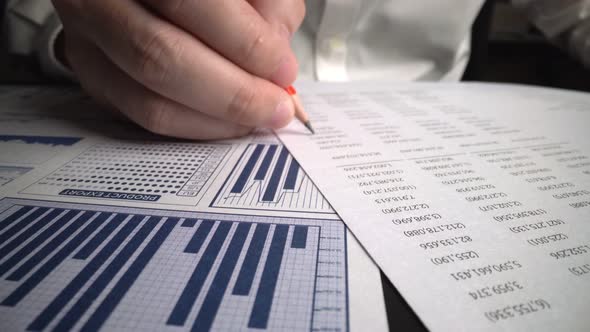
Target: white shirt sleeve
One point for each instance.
(565, 22)
(31, 28)
(387, 40)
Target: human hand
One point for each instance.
(197, 69)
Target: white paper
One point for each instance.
(60, 155)
(474, 199)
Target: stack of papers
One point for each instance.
(473, 199)
(105, 227)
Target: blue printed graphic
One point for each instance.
(267, 177)
(46, 140)
(113, 268)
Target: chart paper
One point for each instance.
(105, 227)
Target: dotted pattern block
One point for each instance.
(166, 169)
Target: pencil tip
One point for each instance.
(308, 126)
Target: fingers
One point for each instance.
(238, 32)
(178, 66)
(281, 14)
(108, 84)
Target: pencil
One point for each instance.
(300, 113)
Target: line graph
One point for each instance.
(32, 150)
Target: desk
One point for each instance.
(502, 61)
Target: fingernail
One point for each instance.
(283, 76)
(282, 115)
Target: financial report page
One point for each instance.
(474, 199)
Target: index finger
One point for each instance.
(174, 64)
(236, 31)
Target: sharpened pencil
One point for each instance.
(300, 113)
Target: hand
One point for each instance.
(197, 69)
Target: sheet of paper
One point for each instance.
(474, 199)
(105, 227)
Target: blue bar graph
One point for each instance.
(264, 296)
(28, 233)
(193, 287)
(196, 242)
(299, 239)
(275, 178)
(88, 267)
(99, 237)
(37, 277)
(19, 226)
(103, 279)
(278, 184)
(219, 285)
(105, 309)
(247, 170)
(50, 247)
(265, 165)
(189, 222)
(291, 180)
(250, 264)
(74, 286)
(14, 216)
(33, 244)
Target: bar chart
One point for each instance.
(90, 267)
(267, 177)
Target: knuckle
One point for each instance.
(157, 56)
(252, 43)
(240, 108)
(155, 116)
